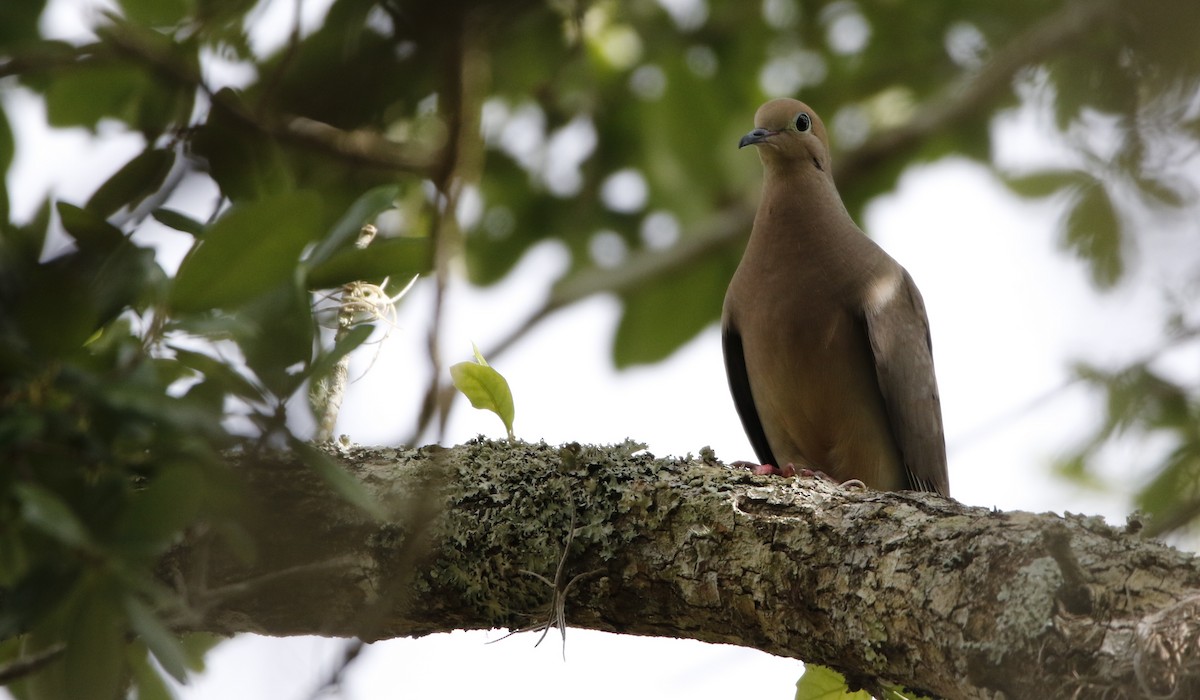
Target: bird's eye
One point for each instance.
(803, 122)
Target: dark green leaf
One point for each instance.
(157, 514)
(95, 656)
(251, 249)
(670, 310)
(196, 645)
(6, 156)
(1093, 232)
(147, 681)
(84, 96)
(158, 639)
(88, 229)
(136, 180)
(342, 483)
(278, 333)
(19, 22)
(325, 361)
(391, 257)
(156, 13)
(246, 164)
(178, 221)
(363, 211)
(226, 376)
(43, 510)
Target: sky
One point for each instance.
(1008, 311)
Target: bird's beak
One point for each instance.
(756, 136)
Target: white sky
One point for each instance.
(1008, 313)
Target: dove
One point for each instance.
(826, 339)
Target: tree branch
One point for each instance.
(900, 588)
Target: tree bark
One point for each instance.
(904, 589)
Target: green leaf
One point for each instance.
(228, 378)
(19, 22)
(1161, 192)
(486, 389)
(1093, 232)
(95, 656)
(1046, 182)
(158, 639)
(6, 156)
(43, 510)
(88, 229)
(362, 212)
(253, 248)
(824, 683)
(348, 343)
(178, 221)
(147, 681)
(341, 481)
(157, 514)
(136, 180)
(668, 311)
(197, 645)
(391, 257)
(156, 13)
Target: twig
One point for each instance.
(331, 388)
(27, 665)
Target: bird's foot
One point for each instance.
(847, 484)
(766, 469)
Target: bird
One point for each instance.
(825, 336)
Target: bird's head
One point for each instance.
(788, 133)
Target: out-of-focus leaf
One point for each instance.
(277, 335)
(157, 514)
(666, 312)
(95, 655)
(229, 379)
(325, 361)
(6, 156)
(156, 13)
(147, 681)
(45, 511)
(254, 247)
(196, 645)
(1047, 182)
(84, 96)
(246, 164)
(1093, 232)
(158, 639)
(391, 257)
(824, 683)
(19, 22)
(89, 229)
(342, 483)
(364, 209)
(178, 221)
(486, 389)
(1163, 193)
(136, 180)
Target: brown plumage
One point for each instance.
(826, 339)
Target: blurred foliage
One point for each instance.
(607, 127)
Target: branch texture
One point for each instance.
(888, 588)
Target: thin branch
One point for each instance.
(976, 92)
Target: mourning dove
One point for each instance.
(826, 339)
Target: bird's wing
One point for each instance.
(743, 400)
(899, 332)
